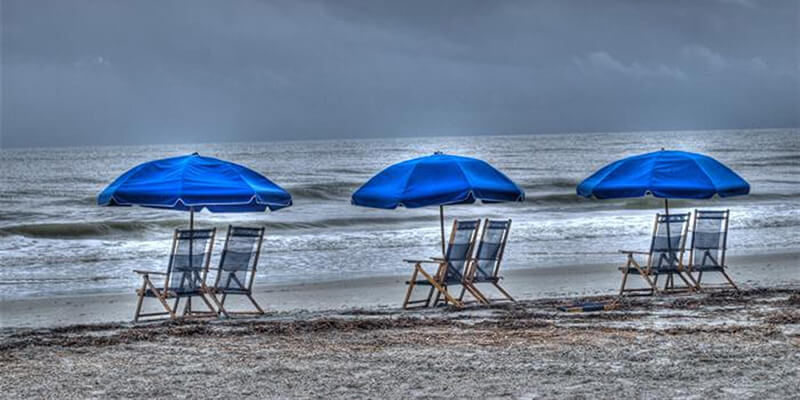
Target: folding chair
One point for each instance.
(451, 269)
(485, 266)
(237, 267)
(664, 258)
(709, 244)
(185, 276)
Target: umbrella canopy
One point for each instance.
(437, 180)
(193, 182)
(664, 174)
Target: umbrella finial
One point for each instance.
(438, 153)
(197, 154)
(662, 149)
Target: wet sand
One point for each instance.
(385, 293)
(711, 345)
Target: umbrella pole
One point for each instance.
(441, 225)
(669, 236)
(191, 246)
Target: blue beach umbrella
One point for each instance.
(664, 174)
(437, 180)
(192, 183)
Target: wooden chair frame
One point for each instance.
(438, 280)
(495, 277)
(162, 294)
(649, 270)
(717, 265)
(248, 292)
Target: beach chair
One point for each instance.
(237, 268)
(485, 266)
(185, 276)
(665, 257)
(708, 246)
(450, 270)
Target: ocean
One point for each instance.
(55, 240)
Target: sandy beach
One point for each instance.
(690, 346)
(350, 339)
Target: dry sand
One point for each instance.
(314, 344)
(681, 346)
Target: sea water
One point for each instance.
(55, 240)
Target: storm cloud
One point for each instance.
(80, 72)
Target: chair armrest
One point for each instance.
(412, 261)
(143, 272)
(634, 252)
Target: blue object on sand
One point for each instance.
(587, 307)
(437, 180)
(194, 182)
(664, 174)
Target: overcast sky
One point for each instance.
(116, 72)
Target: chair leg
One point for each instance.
(438, 297)
(442, 290)
(139, 302)
(208, 304)
(160, 296)
(188, 309)
(175, 306)
(624, 280)
(176, 303)
(503, 291)
(411, 284)
(728, 278)
(255, 304)
(690, 282)
(220, 304)
(653, 285)
(430, 296)
(477, 294)
(221, 311)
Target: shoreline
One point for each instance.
(382, 292)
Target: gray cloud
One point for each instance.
(107, 72)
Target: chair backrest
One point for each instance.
(490, 248)
(188, 263)
(239, 259)
(460, 247)
(669, 241)
(709, 238)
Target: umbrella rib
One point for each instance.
(600, 180)
(716, 190)
(120, 182)
(400, 201)
(652, 171)
(239, 177)
(469, 182)
(182, 180)
(255, 192)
